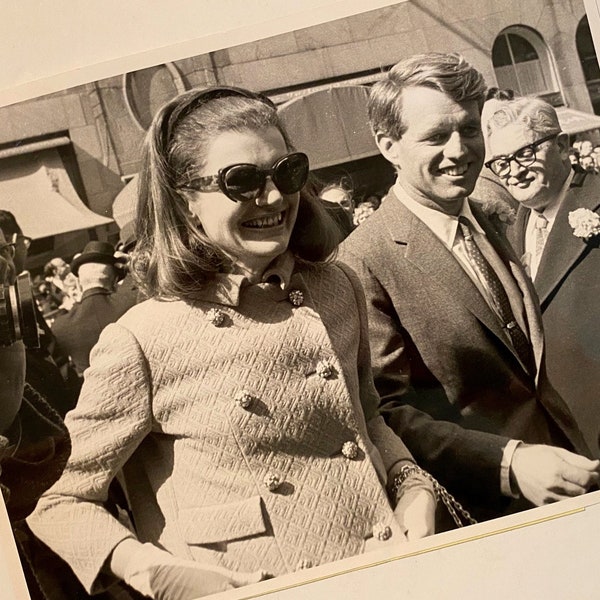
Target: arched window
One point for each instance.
(148, 89)
(589, 62)
(522, 62)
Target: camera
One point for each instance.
(17, 314)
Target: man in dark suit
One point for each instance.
(455, 327)
(531, 155)
(77, 331)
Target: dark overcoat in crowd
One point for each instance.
(568, 286)
(78, 330)
(427, 317)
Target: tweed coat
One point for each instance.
(568, 285)
(437, 346)
(78, 330)
(231, 420)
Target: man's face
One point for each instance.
(440, 155)
(535, 185)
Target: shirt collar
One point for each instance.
(444, 226)
(225, 288)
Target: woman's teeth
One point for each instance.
(269, 221)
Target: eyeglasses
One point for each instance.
(243, 182)
(524, 156)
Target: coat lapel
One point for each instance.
(562, 248)
(426, 252)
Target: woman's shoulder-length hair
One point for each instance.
(173, 257)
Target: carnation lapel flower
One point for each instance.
(585, 223)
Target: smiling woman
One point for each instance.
(238, 400)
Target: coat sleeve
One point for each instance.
(392, 449)
(111, 419)
(464, 460)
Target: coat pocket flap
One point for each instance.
(223, 522)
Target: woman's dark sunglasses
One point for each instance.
(245, 181)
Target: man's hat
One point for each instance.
(98, 252)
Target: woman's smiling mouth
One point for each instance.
(266, 221)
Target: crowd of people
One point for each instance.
(287, 379)
(585, 157)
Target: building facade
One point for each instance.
(92, 133)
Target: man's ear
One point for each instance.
(563, 145)
(388, 147)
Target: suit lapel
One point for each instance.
(562, 248)
(426, 252)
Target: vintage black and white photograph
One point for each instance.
(314, 297)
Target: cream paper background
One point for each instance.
(549, 553)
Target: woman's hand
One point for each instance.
(416, 512)
(160, 575)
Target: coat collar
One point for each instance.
(562, 248)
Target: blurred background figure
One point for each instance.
(337, 199)
(63, 284)
(365, 209)
(77, 331)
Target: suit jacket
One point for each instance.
(202, 409)
(568, 285)
(78, 330)
(437, 346)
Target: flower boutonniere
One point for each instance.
(585, 223)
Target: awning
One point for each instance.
(575, 121)
(124, 205)
(37, 190)
(330, 125)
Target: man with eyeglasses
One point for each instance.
(454, 325)
(557, 234)
(47, 367)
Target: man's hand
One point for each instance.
(546, 474)
(416, 512)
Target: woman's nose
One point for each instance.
(271, 196)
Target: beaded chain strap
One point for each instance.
(460, 515)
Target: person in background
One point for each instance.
(557, 232)
(238, 400)
(63, 283)
(337, 199)
(365, 209)
(34, 443)
(455, 327)
(78, 330)
(48, 369)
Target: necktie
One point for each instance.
(541, 234)
(498, 293)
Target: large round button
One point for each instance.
(272, 482)
(244, 399)
(324, 369)
(382, 532)
(216, 317)
(350, 450)
(296, 297)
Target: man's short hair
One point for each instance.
(9, 224)
(535, 114)
(450, 74)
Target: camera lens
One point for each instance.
(17, 314)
